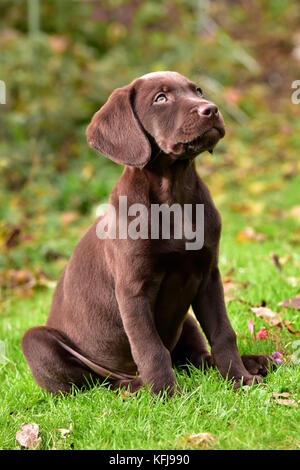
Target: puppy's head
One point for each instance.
(162, 106)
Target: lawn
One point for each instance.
(58, 71)
(259, 268)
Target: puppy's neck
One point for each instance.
(170, 179)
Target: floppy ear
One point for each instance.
(116, 133)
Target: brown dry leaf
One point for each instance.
(284, 395)
(229, 283)
(284, 259)
(242, 208)
(202, 439)
(87, 172)
(259, 187)
(291, 329)
(281, 323)
(266, 313)
(292, 303)
(68, 217)
(276, 212)
(282, 401)
(276, 322)
(249, 234)
(28, 436)
(295, 212)
(276, 261)
(13, 238)
(64, 432)
(251, 208)
(23, 280)
(43, 280)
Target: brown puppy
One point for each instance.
(120, 306)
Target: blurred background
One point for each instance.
(60, 60)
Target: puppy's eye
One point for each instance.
(199, 91)
(161, 98)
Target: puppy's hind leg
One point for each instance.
(191, 347)
(53, 367)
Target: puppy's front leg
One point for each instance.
(152, 358)
(210, 310)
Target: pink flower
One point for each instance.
(262, 333)
(251, 326)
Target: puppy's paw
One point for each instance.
(163, 383)
(171, 388)
(258, 364)
(248, 380)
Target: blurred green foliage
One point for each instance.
(241, 53)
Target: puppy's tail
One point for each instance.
(100, 370)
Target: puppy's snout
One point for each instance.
(208, 110)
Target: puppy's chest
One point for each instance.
(186, 229)
(189, 220)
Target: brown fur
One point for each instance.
(120, 306)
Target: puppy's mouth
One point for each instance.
(205, 141)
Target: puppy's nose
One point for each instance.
(208, 110)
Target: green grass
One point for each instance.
(247, 419)
(46, 171)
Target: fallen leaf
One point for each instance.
(276, 322)
(64, 432)
(281, 401)
(13, 238)
(295, 212)
(251, 208)
(202, 439)
(284, 259)
(292, 303)
(281, 323)
(258, 187)
(28, 436)
(229, 283)
(21, 278)
(266, 313)
(43, 280)
(249, 234)
(276, 261)
(284, 395)
(68, 217)
(291, 329)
